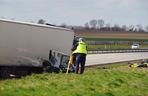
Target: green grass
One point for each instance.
(112, 81)
(109, 46)
(113, 46)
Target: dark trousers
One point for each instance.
(80, 59)
(74, 59)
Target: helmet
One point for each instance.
(81, 39)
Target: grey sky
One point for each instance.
(77, 12)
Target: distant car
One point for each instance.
(135, 46)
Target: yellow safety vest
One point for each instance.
(81, 48)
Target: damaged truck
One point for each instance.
(30, 47)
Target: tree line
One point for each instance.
(100, 25)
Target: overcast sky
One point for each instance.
(77, 12)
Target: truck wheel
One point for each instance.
(56, 70)
(47, 66)
(5, 72)
(46, 63)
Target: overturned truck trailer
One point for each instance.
(26, 47)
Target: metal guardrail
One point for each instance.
(103, 51)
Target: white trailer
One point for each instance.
(29, 44)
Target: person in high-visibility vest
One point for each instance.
(80, 52)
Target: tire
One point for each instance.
(5, 72)
(46, 63)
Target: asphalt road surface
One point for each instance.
(95, 59)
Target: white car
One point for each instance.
(135, 46)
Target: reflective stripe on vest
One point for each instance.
(81, 48)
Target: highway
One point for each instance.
(96, 59)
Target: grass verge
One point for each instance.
(111, 81)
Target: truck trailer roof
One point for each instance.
(33, 24)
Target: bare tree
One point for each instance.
(107, 27)
(140, 28)
(116, 27)
(124, 28)
(135, 30)
(146, 28)
(100, 23)
(86, 25)
(41, 21)
(93, 23)
(131, 28)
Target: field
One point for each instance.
(113, 35)
(111, 46)
(105, 81)
(127, 38)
